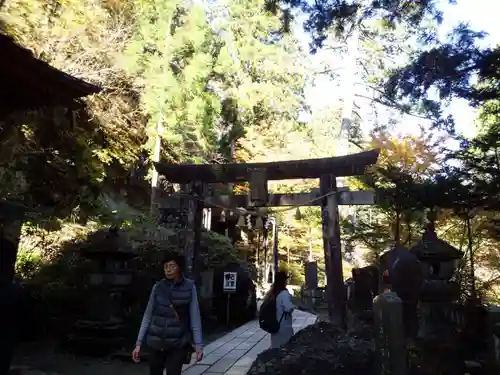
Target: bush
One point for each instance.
(28, 264)
(54, 273)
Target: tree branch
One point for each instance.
(395, 104)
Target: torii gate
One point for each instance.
(195, 177)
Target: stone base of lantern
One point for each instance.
(97, 337)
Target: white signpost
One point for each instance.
(229, 284)
(229, 287)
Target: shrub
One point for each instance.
(28, 264)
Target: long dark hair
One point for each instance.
(279, 283)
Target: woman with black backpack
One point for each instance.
(275, 314)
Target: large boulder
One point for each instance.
(320, 349)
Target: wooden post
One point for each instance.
(311, 275)
(275, 249)
(265, 262)
(193, 228)
(257, 260)
(333, 252)
(470, 247)
(198, 223)
(156, 159)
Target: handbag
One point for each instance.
(188, 348)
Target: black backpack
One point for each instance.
(267, 316)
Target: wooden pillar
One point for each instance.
(198, 224)
(194, 217)
(275, 250)
(265, 261)
(311, 275)
(335, 291)
(257, 252)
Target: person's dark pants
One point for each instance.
(172, 360)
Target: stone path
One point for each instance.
(234, 353)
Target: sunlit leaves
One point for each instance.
(175, 46)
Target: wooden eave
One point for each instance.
(27, 82)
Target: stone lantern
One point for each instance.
(102, 325)
(438, 260)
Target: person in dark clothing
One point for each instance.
(171, 324)
(284, 309)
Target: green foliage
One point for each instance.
(28, 264)
(459, 68)
(449, 69)
(56, 160)
(338, 16)
(295, 272)
(401, 181)
(218, 249)
(171, 55)
(212, 86)
(205, 86)
(218, 82)
(263, 75)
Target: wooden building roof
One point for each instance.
(27, 82)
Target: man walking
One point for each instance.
(171, 325)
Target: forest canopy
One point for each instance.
(215, 82)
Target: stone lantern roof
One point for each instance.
(431, 248)
(107, 243)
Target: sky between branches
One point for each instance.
(481, 16)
